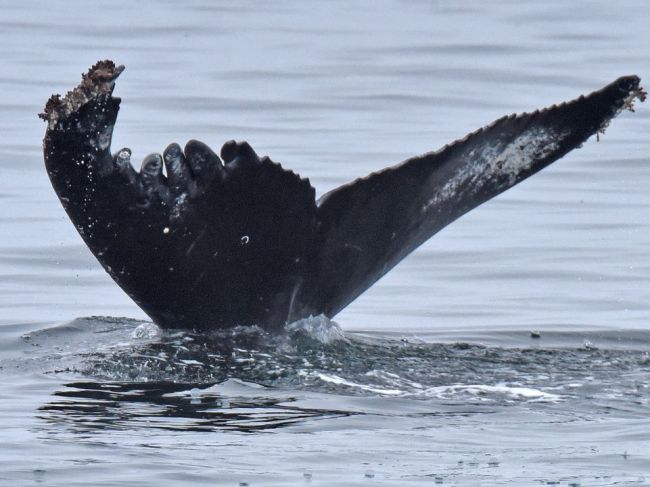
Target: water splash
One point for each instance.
(314, 355)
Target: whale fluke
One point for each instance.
(204, 240)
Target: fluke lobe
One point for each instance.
(201, 241)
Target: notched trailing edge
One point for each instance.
(300, 257)
(635, 92)
(99, 80)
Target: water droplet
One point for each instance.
(195, 395)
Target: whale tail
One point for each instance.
(371, 224)
(213, 241)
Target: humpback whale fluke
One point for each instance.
(204, 240)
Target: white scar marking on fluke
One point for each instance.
(194, 242)
(179, 206)
(497, 160)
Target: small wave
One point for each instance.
(146, 331)
(319, 328)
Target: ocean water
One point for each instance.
(433, 376)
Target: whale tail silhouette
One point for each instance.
(215, 241)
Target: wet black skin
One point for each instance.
(217, 241)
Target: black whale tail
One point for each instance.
(202, 241)
(371, 224)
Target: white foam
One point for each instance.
(335, 379)
(191, 362)
(482, 389)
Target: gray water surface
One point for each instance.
(438, 379)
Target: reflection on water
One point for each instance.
(86, 406)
